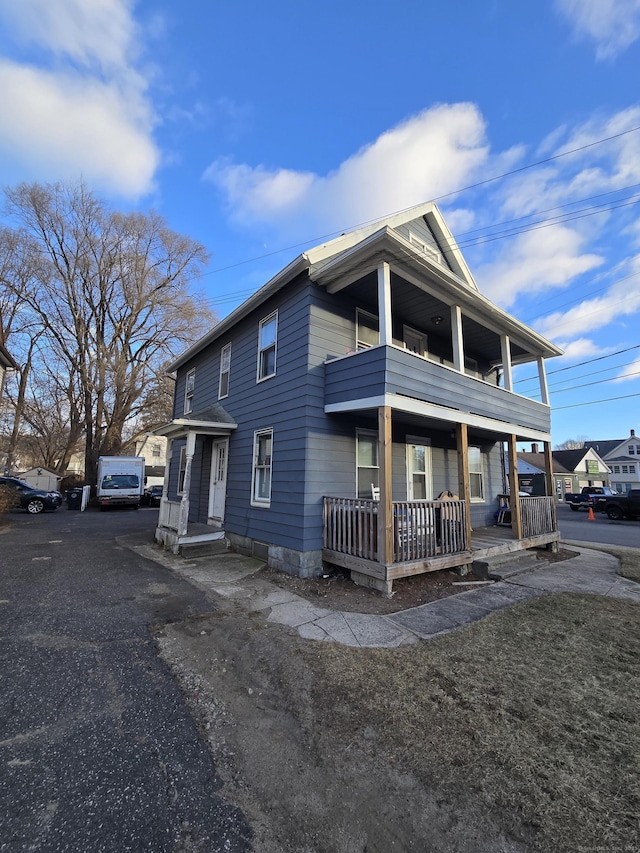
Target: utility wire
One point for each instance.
(580, 364)
(595, 402)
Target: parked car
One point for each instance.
(623, 506)
(152, 495)
(22, 495)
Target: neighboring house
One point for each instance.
(572, 469)
(154, 449)
(370, 367)
(623, 458)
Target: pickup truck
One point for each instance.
(591, 497)
(623, 506)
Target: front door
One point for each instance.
(419, 485)
(218, 485)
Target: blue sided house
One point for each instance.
(359, 410)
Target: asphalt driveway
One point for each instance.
(98, 749)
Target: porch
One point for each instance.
(426, 536)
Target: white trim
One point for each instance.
(428, 469)
(439, 413)
(370, 434)
(384, 304)
(261, 349)
(189, 390)
(181, 469)
(261, 502)
(225, 349)
(360, 345)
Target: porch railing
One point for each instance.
(421, 529)
(538, 515)
(169, 514)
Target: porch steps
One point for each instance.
(202, 548)
(502, 566)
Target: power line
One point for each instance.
(581, 363)
(595, 402)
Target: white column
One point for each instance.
(505, 347)
(184, 504)
(384, 304)
(163, 514)
(456, 338)
(544, 388)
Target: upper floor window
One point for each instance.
(156, 450)
(367, 329)
(476, 474)
(182, 467)
(225, 371)
(267, 340)
(632, 450)
(188, 391)
(261, 480)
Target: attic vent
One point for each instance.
(425, 248)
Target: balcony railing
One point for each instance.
(421, 529)
(538, 515)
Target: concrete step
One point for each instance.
(203, 549)
(504, 566)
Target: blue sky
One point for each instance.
(262, 128)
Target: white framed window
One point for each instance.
(616, 469)
(476, 474)
(367, 329)
(156, 450)
(181, 469)
(419, 472)
(632, 450)
(225, 371)
(267, 345)
(262, 458)
(367, 468)
(189, 388)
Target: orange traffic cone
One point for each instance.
(591, 515)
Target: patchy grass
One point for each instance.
(532, 712)
(629, 560)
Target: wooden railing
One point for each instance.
(538, 515)
(169, 515)
(421, 529)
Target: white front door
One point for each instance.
(419, 485)
(218, 485)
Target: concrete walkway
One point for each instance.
(236, 578)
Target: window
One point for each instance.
(616, 469)
(225, 370)
(182, 469)
(267, 337)
(476, 485)
(367, 475)
(367, 330)
(261, 480)
(632, 450)
(625, 469)
(418, 472)
(188, 391)
(156, 450)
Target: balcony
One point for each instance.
(414, 383)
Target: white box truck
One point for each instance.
(120, 481)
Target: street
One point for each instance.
(576, 526)
(98, 749)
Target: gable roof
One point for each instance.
(359, 251)
(605, 448)
(564, 461)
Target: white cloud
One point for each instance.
(429, 155)
(631, 371)
(612, 24)
(86, 113)
(534, 262)
(622, 299)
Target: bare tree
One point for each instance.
(572, 443)
(112, 295)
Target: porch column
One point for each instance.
(385, 505)
(464, 489)
(514, 487)
(544, 388)
(507, 372)
(184, 503)
(163, 514)
(548, 477)
(384, 304)
(456, 338)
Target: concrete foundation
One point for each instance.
(385, 587)
(302, 564)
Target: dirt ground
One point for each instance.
(310, 770)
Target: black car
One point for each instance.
(155, 495)
(21, 494)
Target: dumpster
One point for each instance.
(74, 498)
